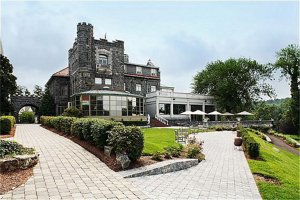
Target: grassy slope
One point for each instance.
(158, 138)
(282, 165)
(295, 137)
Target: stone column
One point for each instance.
(157, 106)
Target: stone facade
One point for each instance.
(59, 86)
(100, 64)
(19, 101)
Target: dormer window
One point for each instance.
(138, 70)
(153, 72)
(103, 60)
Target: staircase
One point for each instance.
(156, 123)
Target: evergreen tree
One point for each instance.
(47, 104)
(8, 85)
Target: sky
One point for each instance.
(179, 37)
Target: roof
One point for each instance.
(64, 72)
(109, 92)
(151, 66)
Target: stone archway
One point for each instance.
(20, 101)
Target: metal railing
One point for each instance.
(161, 119)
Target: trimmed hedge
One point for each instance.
(250, 145)
(100, 132)
(6, 124)
(27, 117)
(127, 140)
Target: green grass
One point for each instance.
(295, 137)
(283, 166)
(158, 138)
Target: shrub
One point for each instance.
(100, 130)
(193, 150)
(8, 148)
(129, 140)
(66, 124)
(251, 146)
(157, 156)
(72, 112)
(174, 151)
(5, 125)
(27, 117)
(77, 127)
(46, 121)
(56, 122)
(135, 123)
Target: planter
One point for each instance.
(238, 141)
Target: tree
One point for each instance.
(47, 104)
(235, 84)
(288, 61)
(8, 85)
(38, 91)
(26, 92)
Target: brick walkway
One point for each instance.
(67, 171)
(224, 174)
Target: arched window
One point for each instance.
(103, 60)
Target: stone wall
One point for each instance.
(18, 162)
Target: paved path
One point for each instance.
(67, 171)
(224, 175)
(281, 144)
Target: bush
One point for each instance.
(129, 140)
(77, 127)
(100, 130)
(193, 150)
(174, 151)
(157, 156)
(72, 112)
(135, 123)
(5, 125)
(27, 117)
(46, 121)
(66, 124)
(8, 148)
(55, 122)
(251, 146)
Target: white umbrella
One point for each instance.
(199, 112)
(214, 113)
(244, 113)
(187, 113)
(227, 114)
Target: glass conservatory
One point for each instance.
(109, 103)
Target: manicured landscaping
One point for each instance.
(277, 164)
(156, 139)
(295, 137)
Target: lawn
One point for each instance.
(295, 137)
(158, 138)
(281, 165)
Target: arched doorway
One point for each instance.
(29, 108)
(19, 102)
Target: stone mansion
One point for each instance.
(102, 81)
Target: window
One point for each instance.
(138, 87)
(178, 109)
(124, 86)
(153, 88)
(125, 69)
(153, 72)
(164, 109)
(107, 81)
(98, 80)
(103, 60)
(138, 70)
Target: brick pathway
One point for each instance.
(67, 171)
(224, 174)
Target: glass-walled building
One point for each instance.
(109, 103)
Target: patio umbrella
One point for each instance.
(199, 112)
(189, 113)
(245, 113)
(227, 114)
(215, 113)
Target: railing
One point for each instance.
(162, 120)
(246, 123)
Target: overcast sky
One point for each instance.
(179, 37)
